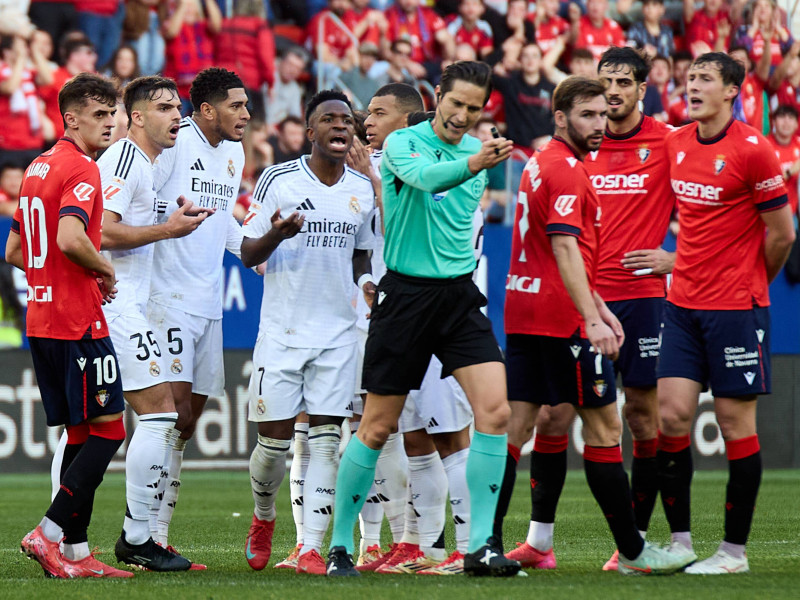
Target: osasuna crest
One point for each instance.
(102, 397)
(719, 164)
(231, 168)
(600, 387)
(643, 152)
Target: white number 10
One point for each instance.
(33, 215)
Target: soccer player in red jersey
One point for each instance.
(786, 144)
(736, 233)
(561, 336)
(55, 239)
(630, 175)
(595, 31)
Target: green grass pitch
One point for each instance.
(205, 529)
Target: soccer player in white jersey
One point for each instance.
(131, 210)
(185, 308)
(311, 221)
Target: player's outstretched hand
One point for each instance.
(603, 338)
(108, 288)
(288, 227)
(194, 211)
(180, 223)
(358, 158)
(492, 153)
(644, 262)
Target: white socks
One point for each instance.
(172, 485)
(370, 519)
(540, 536)
(144, 467)
(51, 531)
(76, 552)
(158, 494)
(455, 467)
(267, 469)
(55, 466)
(297, 476)
(319, 489)
(429, 494)
(391, 475)
(684, 538)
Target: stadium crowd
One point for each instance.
(320, 195)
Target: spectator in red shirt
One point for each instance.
(101, 21)
(188, 28)
(10, 182)
(751, 105)
(550, 27)
(708, 29)
(595, 31)
(367, 24)
(79, 56)
(787, 148)
(469, 28)
(430, 41)
(765, 23)
(21, 137)
(784, 83)
(335, 52)
(246, 46)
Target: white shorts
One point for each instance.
(141, 358)
(286, 381)
(439, 406)
(191, 348)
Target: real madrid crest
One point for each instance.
(155, 371)
(355, 207)
(176, 366)
(643, 152)
(231, 168)
(719, 164)
(260, 408)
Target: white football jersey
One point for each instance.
(308, 284)
(126, 174)
(379, 267)
(187, 272)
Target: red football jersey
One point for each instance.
(722, 185)
(703, 28)
(630, 175)
(64, 301)
(752, 95)
(337, 41)
(18, 130)
(549, 31)
(678, 111)
(787, 156)
(555, 197)
(599, 39)
(786, 94)
(479, 37)
(420, 30)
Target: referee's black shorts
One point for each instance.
(414, 318)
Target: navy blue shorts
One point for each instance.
(727, 350)
(638, 356)
(548, 371)
(78, 379)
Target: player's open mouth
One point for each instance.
(694, 102)
(173, 131)
(338, 142)
(614, 102)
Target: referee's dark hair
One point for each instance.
(417, 117)
(616, 57)
(731, 71)
(146, 89)
(471, 71)
(84, 87)
(212, 85)
(406, 97)
(574, 89)
(324, 96)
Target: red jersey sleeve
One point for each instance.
(765, 178)
(565, 209)
(80, 192)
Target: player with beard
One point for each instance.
(305, 356)
(630, 175)
(185, 308)
(561, 337)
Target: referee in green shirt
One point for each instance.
(433, 179)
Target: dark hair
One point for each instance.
(582, 54)
(324, 96)
(399, 41)
(289, 119)
(681, 55)
(471, 71)
(71, 45)
(652, 2)
(84, 87)
(296, 50)
(145, 88)
(666, 59)
(112, 64)
(6, 41)
(211, 86)
(406, 97)
(731, 72)
(359, 116)
(415, 118)
(784, 110)
(575, 88)
(637, 60)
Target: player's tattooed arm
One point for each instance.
(258, 250)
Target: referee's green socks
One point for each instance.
(486, 466)
(356, 472)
